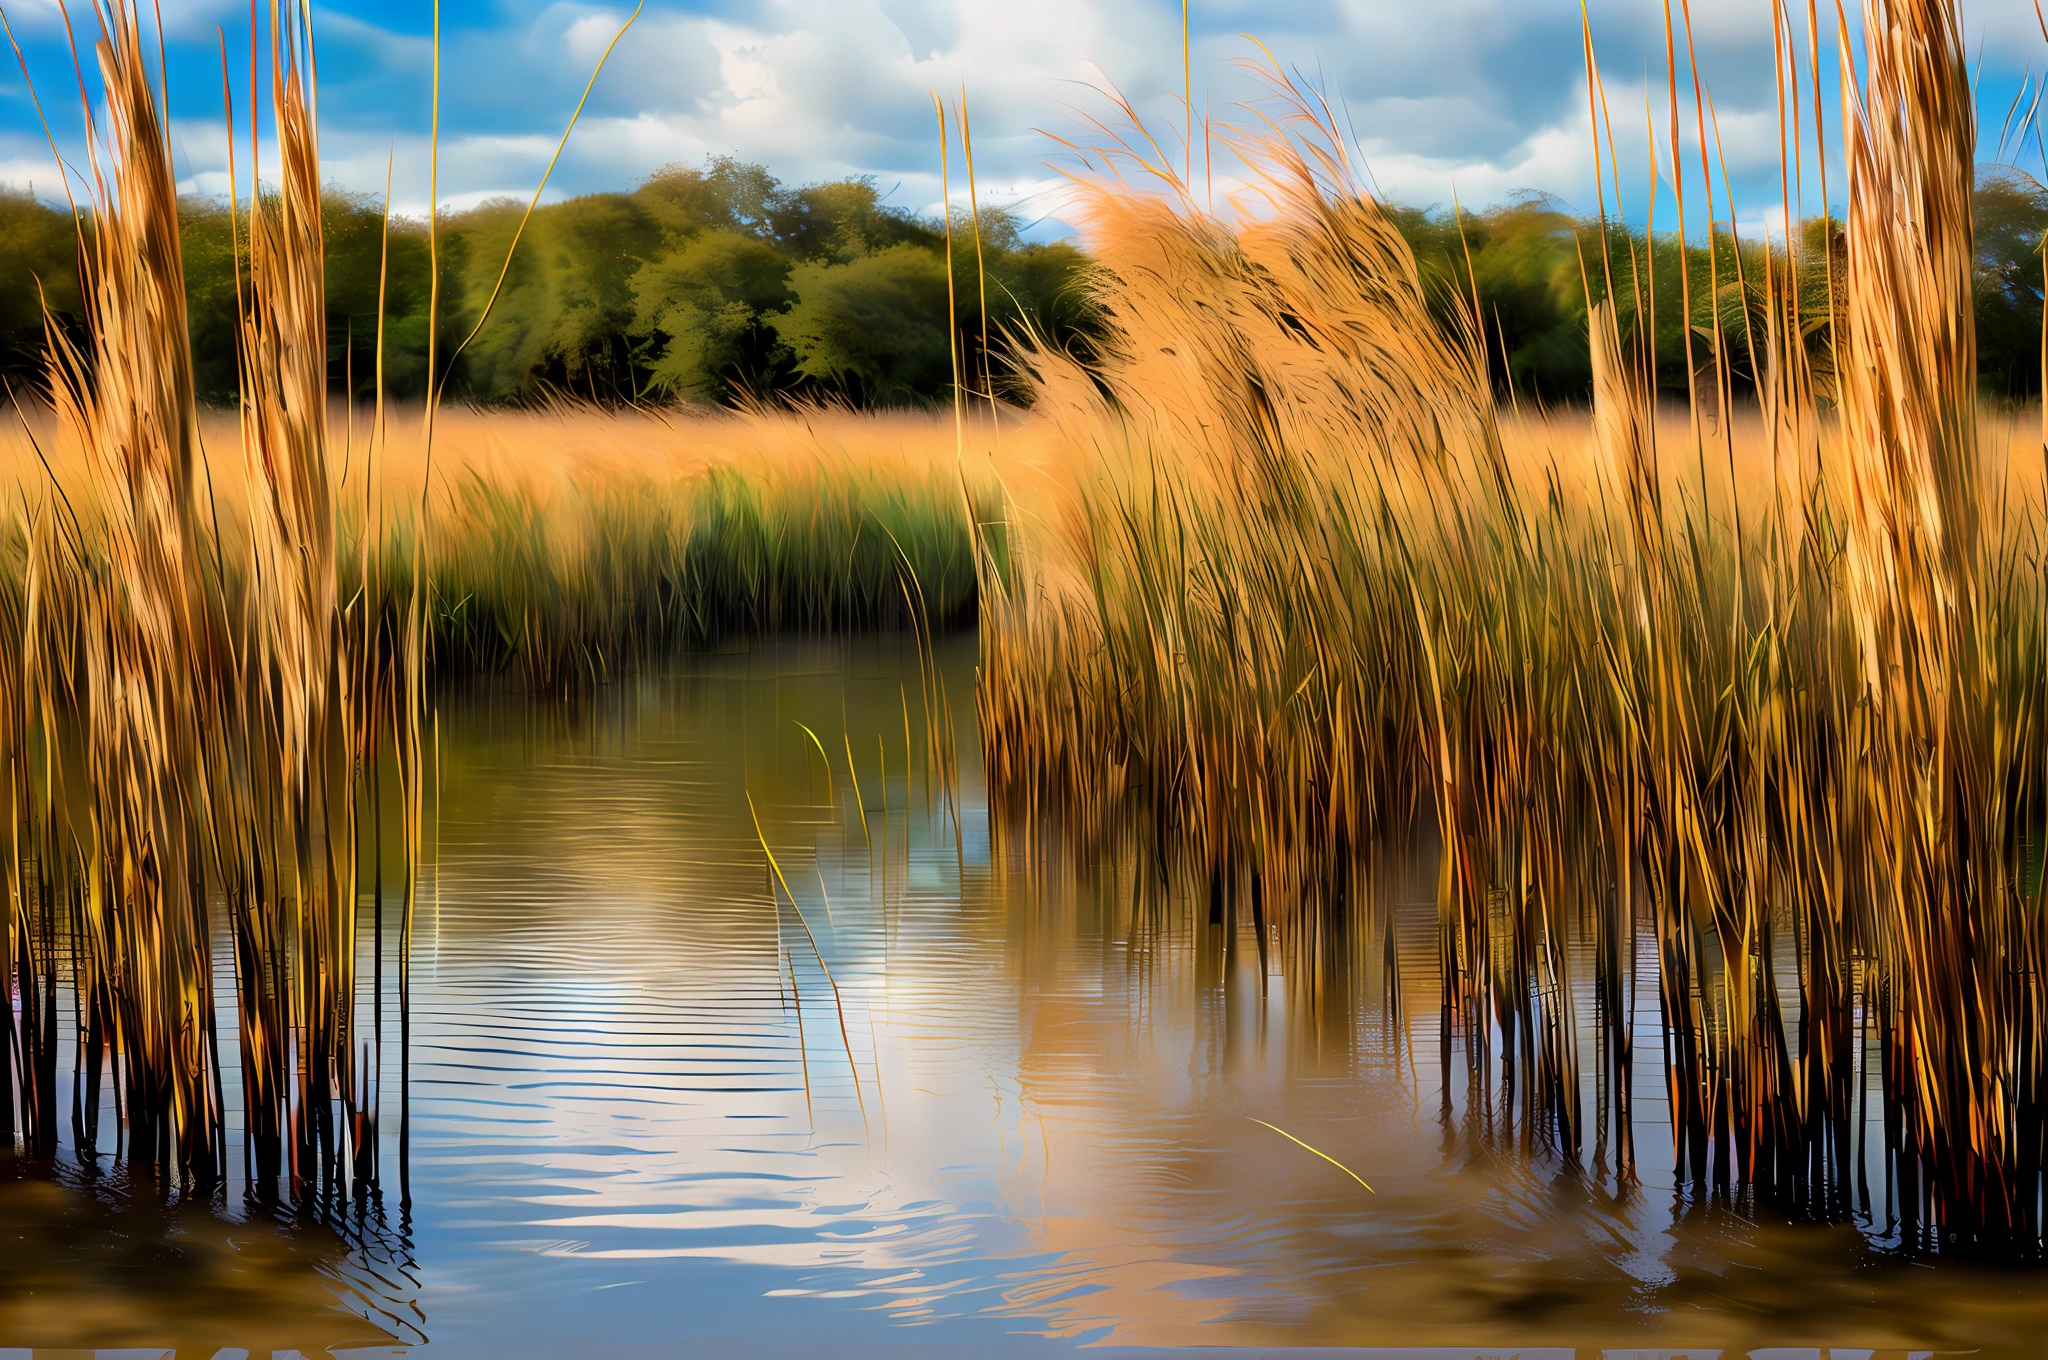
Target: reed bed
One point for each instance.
(1776, 725)
(565, 592)
(561, 545)
(317, 583)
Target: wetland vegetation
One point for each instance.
(1652, 793)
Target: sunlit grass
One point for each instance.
(1762, 689)
(1266, 576)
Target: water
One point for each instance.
(1036, 1104)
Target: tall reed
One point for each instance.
(1945, 780)
(209, 666)
(1791, 740)
(123, 635)
(296, 736)
(190, 716)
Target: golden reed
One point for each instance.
(195, 717)
(1783, 734)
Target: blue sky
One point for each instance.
(1481, 98)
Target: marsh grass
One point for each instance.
(564, 543)
(191, 710)
(565, 591)
(1784, 732)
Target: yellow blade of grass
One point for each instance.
(853, 777)
(1318, 1152)
(837, 1003)
(831, 792)
(484, 314)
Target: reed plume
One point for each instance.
(302, 739)
(1957, 944)
(125, 651)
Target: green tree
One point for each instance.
(564, 315)
(1521, 264)
(1525, 272)
(38, 267)
(843, 220)
(366, 258)
(354, 230)
(703, 311)
(688, 285)
(873, 328)
(2011, 213)
(1034, 290)
(207, 236)
(727, 192)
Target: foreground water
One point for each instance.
(966, 1093)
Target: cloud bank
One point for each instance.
(1481, 99)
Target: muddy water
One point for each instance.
(964, 1094)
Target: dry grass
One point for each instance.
(562, 544)
(550, 452)
(188, 711)
(1772, 693)
(116, 635)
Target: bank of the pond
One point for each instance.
(613, 573)
(564, 547)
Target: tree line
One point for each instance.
(706, 283)
(719, 283)
(1523, 275)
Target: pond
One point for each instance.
(920, 1081)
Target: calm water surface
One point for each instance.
(1021, 1115)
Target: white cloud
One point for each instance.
(1481, 97)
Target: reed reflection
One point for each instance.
(728, 991)
(745, 992)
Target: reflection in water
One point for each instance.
(104, 1249)
(95, 1257)
(953, 1086)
